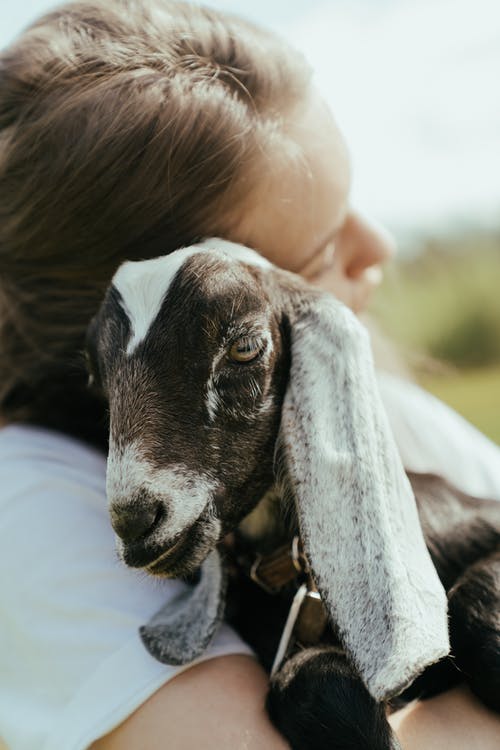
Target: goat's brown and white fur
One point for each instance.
(197, 440)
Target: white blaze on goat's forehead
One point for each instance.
(184, 493)
(143, 285)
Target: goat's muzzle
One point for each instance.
(138, 519)
(146, 538)
(152, 507)
(141, 523)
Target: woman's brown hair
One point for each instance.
(127, 128)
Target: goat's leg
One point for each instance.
(318, 703)
(474, 606)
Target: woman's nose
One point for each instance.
(363, 243)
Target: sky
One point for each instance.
(415, 87)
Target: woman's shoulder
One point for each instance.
(71, 655)
(49, 482)
(52, 505)
(433, 438)
(37, 451)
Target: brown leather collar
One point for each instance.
(272, 572)
(307, 617)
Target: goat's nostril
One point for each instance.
(136, 521)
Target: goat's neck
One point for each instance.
(269, 524)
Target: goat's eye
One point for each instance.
(245, 350)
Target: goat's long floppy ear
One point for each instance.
(338, 460)
(181, 631)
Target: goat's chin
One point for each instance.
(183, 557)
(183, 567)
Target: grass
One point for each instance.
(441, 308)
(473, 393)
(445, 304)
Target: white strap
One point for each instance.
(289, 626)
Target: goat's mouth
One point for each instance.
(178, 557)
(172, 555)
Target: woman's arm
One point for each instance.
(216, 705)
(455, 719)
(219, 705)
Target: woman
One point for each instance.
(129, 128)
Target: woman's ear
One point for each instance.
(338, 460)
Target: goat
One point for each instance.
(243, 400)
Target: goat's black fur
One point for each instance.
(316, 699)
(318, 702)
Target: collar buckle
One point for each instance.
(272, 572)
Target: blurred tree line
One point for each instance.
(445, 301)
(441, 306)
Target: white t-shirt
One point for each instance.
(434, 439)
(72, 665)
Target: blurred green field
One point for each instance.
(442, 310)
(473, 393)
